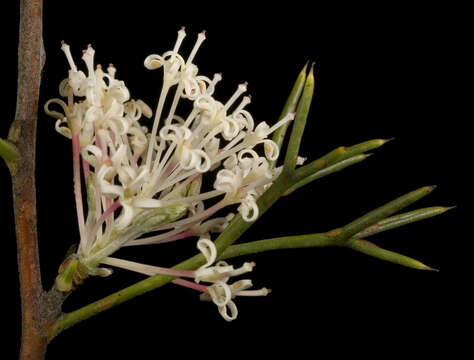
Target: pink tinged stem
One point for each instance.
(183, 235)
(171, 166)
(77, 183)
(112, 136)
(198, 217)
(86, 168)
(186, 182)
(110, 210)
(190, 285)
(98, 140)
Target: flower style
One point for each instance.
(139, 181)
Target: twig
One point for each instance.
(38, 308)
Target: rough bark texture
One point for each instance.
(38, 308)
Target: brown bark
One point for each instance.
(38, 308)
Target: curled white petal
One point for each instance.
(146, 110)
(93, 155)
(248, 209)
(63, 130)
(223, 310)
(227, 181)
(220, 293)
(125, 217)
(54, 113)
(175, 133)
(106, 187)
(271, 149)
(194, 158)
(230, 128)
(64, 89)
(153, 62)
(208, 249)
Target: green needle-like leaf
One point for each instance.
(290, 106)
(382, 212)
(368, 248)
(401, 220)
(364, 147)
(299, 123)
(337, 155)
(338, 166)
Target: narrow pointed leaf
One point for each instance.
(323, 162)
(396, 221)
(299, 123)
(382, 212)
(364, 147)
(337, 155)
(290, 106)
(368, 248)
(326, 171)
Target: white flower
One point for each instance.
(220, 292)
(141, 181)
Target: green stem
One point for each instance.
(154, 282)
(321, 240)
(238, 226)
(226, 250)
(286, 242)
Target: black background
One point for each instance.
(380, 73)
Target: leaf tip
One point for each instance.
(384, 141)
(429, 268)
(305, 67)
(430, 188)
(447, 208)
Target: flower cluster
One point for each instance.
(140, 181)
